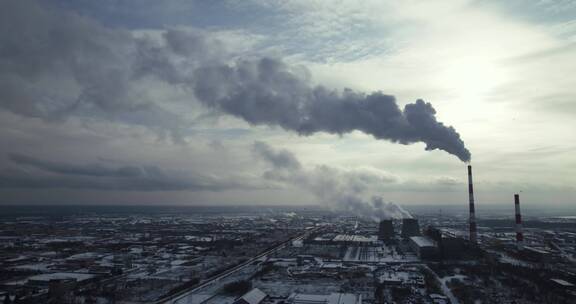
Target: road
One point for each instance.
(174, 298)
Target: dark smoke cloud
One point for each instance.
(61, 175)
(344, 190)
(269, 92)
(55, 64)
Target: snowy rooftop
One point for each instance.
(334, 298)
(354, 238)
(562, 282)
(254, 296)
(422, 241)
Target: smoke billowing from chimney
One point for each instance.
(270, 92)
(343, 190)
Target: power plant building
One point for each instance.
(424, 247)
(386, 230)
(410, 228)
(450, 245)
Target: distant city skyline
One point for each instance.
(219, 102)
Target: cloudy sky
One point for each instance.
(286, 102)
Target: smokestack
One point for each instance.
(519, 234)
(472, 219)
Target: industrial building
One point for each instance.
(410, 228)
(450, 245)
(356, 240)
(386, 230)
(424, 247)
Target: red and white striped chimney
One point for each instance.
(519, 234)
(472, 219)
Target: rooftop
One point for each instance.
(333, 298)
(254, 296)
(423, 241)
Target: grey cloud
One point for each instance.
(352, 191)
(279, 159)
(87, 170)
(54, 64)
(448, 181)
(53, 174)
(133, 184)
(39, 44)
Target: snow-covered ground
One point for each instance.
(211, 290)
(459, 277)
(444, 287)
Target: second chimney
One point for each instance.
(472, 219)
(519, 234)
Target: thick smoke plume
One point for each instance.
(56, 64)
(269, 92)
(344, 190)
